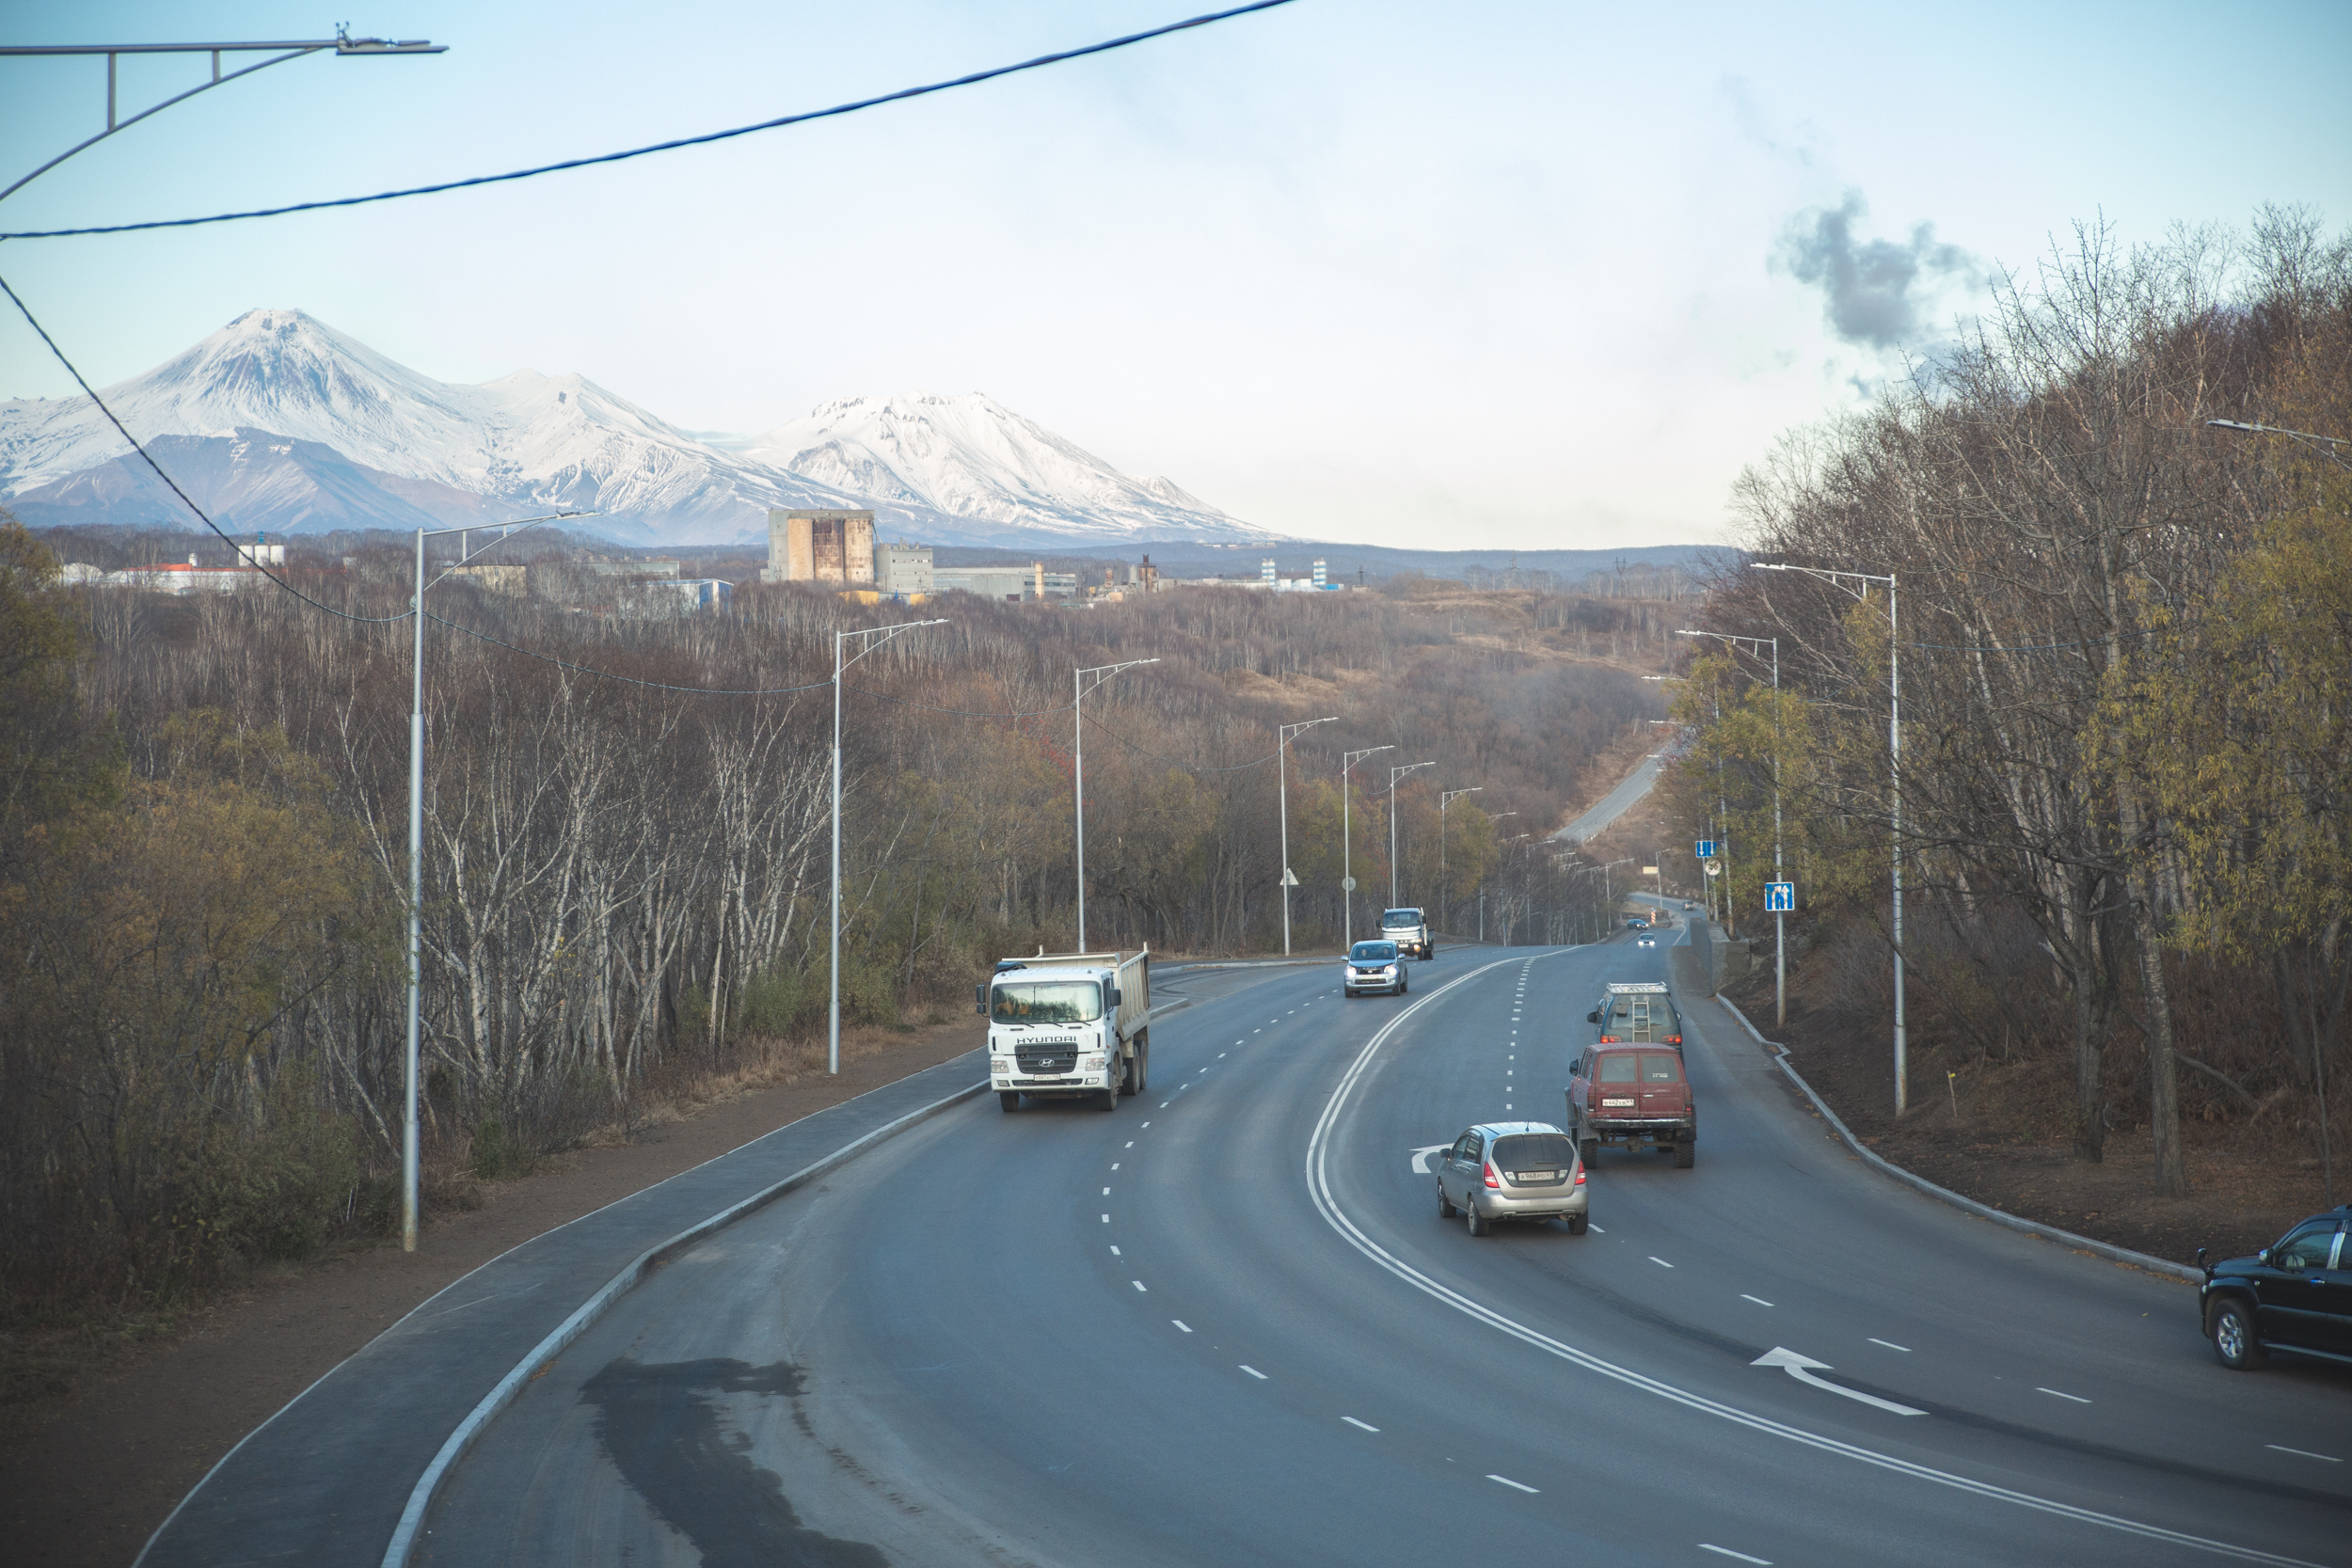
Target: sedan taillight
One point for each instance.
(1492, 1179)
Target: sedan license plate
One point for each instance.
(1535, 1176)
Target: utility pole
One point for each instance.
(840, 640)
(1285, 733)
(1394, 774)
(1893, 772)
(1347, 837)
(1780, 917)
(1445, 800)
(1080, 685)
(342, 43)
(416, 863)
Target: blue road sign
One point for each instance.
(1705, 849)
(1779, 895)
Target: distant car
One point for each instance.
(2294, 1295)
(1373, 966)
(1645, 940)
(1635, 923)
(1688, 905)
(1512, 1170)
(1637, 1097)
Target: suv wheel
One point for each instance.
(1479, 1224)
(1588, 1151)
(2233, 1337)
(1686, 1155)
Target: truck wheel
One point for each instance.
(1143, 1061)
(2233, 1337)
(1008, 1098)
(1479, 1224)
(1127, 1083)
(1106, 1099)
(1686, 1155)
(1445, 1205)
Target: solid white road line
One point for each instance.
(1354, 1422)
(1254, 1373)
(1180, 1324)
(1890, 1344)
(1319, 1190)
(1726, 1551)
(2303, 1453)
(1519, 1485)
(1759, 1300)
(2076, 1397)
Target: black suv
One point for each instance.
(2294, 1295)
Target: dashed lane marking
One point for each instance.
(2054, 1393)
(1759, 1300)
(1518, 1486)
(1114, 1252)
(2303, 1453)
(1891, 1345)
(1136, 1283)
(1106, 1219)
(1726, 1551)
(1254, 1373)
(1354, 1422)
(1180, 1324)
(1660, 1261)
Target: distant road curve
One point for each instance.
(1621, 799)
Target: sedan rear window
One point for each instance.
(1535, 1152)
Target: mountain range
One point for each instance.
(279, 422)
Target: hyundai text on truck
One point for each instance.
(1068, 1026)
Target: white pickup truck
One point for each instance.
(1068, 1026)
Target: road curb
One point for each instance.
(1982, 1211)
(404, 1540)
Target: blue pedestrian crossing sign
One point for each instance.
(1779, 895)
(1705, 849)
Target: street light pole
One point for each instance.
(832, 1000)
(1445, 800)
(293, 49)
(412, 1054)
(1347, 839)
(1894, 768)
(1394, 774)
(1284, 735)
(1780, 917)
(1081, 685)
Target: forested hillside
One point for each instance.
(203, 856)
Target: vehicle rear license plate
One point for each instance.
(1539, 1176)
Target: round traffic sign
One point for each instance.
(1347, 884)
(1714, 869)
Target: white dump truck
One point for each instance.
(1068, 1025)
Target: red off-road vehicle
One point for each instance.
(1633, 1097)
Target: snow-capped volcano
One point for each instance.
(972, 457)
(952, 472)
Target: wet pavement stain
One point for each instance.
(662, 1431)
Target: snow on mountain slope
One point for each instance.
(972, 458)
(249, 480)
(532, 442)
(948, 470)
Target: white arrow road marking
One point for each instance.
(1421, 1158)
(1801, 1368)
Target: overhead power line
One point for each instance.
(776, 124)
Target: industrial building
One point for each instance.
(903, 569)
(819, 547)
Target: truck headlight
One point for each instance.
(1091, 1062)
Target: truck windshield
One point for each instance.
(1046, 1002)
(1396, 919)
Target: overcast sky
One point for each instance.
(1528, 274)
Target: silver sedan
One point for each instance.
(1512, 1170)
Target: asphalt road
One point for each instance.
(1620, 799)
(1225, 1325)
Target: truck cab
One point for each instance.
(1068, 1026)
(1409, 930)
